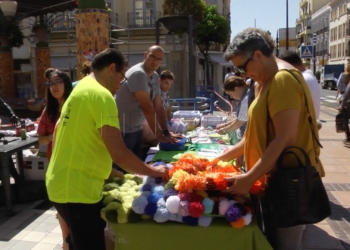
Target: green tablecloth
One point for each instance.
(149, 235)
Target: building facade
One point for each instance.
(339, 49)
(303, 23)
(132, 31)
(282, 41)
(320, 22)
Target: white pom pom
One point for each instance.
(162, 215)
(172, 204)
(223, 207)
(247, 219)
(172, 217)
(161, 203)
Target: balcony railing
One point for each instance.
(61, 21)
(113, 18)
(63, 25)
(143, 19)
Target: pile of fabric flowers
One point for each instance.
(192, 195)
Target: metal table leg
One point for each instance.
(20, 164)
(5, 180)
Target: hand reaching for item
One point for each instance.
(166, 137)
(177, 136)
(239, 184)
(161, 171)
(116, 173)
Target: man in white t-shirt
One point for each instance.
(294, 59)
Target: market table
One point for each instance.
(149, 235)
(14, 146)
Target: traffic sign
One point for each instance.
(306, 51)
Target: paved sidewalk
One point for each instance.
(334, 232)
(38, 229)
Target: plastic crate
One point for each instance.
(187, 114)
(35, 167)
(178, 127)
(212, 120)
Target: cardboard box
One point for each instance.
(35, 167)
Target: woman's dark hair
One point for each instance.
(48, 72)
(52, 104)
(232, 82)
(106, 58)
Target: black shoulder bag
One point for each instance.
(341, 122)
(295, 194)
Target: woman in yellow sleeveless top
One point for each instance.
(281, 97)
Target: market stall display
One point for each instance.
(192, 196)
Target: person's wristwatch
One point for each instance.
(166, 132)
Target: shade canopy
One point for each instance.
(27, 8)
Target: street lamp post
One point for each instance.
(287, 32)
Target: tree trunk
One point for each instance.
(92, 30)
(207, 75)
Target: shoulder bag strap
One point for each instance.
(309, 118)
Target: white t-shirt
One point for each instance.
(312, 82)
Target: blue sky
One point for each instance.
(269, 14)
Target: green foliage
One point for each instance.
(89, 4)
(184, 8)
(11, 30)
(214, 28)
(16, 36)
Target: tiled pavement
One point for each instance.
(38, 229)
